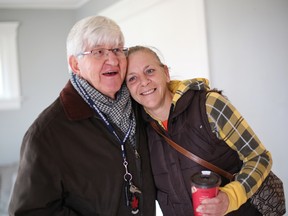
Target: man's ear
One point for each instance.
(73, 62)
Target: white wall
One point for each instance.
(248, 50)
(175, 27)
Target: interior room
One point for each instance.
(241, 46)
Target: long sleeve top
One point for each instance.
(230, 126)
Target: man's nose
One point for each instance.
(111, 58)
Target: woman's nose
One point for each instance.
(145, 81)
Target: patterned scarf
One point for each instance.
(118, 111)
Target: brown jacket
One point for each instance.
(72, 165)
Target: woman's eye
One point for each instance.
(131, 79)
(150, 71)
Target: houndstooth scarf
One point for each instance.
(118, 111)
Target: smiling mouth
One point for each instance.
(110, 73)
(148, 92)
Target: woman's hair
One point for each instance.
(151, 50)
(92, 31)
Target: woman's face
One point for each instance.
(106, 74)
(147, 80)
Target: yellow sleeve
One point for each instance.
(236, 195)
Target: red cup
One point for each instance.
(204, 184)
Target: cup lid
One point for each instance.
(205, 179)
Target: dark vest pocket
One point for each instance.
(164, 204)
(173, 209)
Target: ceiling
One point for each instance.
(42, 4)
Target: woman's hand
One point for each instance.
(216, 206)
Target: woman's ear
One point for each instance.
(166, 71)
(73, 62)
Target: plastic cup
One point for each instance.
(204, 184)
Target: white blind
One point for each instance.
(9, 73)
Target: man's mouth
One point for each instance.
(110, 73)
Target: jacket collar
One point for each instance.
(179, 89)
(182, 103)
(74, 106)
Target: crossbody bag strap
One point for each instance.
(192, 156)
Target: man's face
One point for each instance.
(103, 68)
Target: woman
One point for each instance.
(203, 122)
(84, 154)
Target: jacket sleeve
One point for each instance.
(39, 189)
(230, 126)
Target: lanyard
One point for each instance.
(127, 175)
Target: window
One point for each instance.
(9, 74)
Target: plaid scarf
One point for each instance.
(118, 111)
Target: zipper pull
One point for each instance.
(136, 154)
